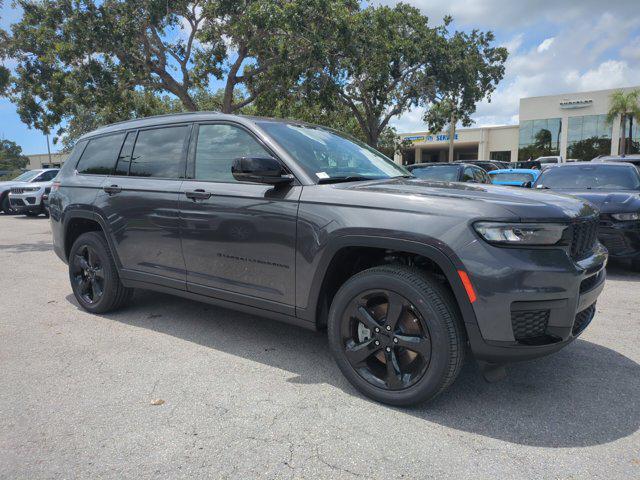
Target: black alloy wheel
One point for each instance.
(94, 275)
(396, 334)
(88, 274)
(386, 340)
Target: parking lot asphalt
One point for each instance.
(169, 388)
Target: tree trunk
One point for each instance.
(623, 140)
(630, 133)
(452, 135)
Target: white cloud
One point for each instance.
(555, 46)
(545, 45)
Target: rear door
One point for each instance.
(238, 238)
(140, 201)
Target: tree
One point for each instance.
(627, 106)
(267, 44)
(380, 63)
(11, 157)
(93, 54)
(473, 69)
(5, 74)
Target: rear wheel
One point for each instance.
(396, 334)
(94, 276)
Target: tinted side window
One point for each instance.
(218, 146)
(48, 176)
(479, 175)
(467, 175)
(124, 159)
(99, 157)
(159, 152)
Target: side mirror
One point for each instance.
(259, 170)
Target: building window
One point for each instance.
(588, 137)
(539, 138)
(504, 156)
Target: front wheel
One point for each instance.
(396, 334)
(94, 276)
(5, 205)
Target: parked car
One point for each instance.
(632, 159)
(450, 172)
(527, 165)
(514, 177)
(28, 179)
(615, 189)
(403, 273)
(29, 197)
(550, 159)
(487, 165)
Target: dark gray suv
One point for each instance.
(302, 224)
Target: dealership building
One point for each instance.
(573, 125)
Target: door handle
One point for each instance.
(112, 189)
(198, 194)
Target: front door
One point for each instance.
(141, 200)
(238, 238)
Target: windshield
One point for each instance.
(327, 155)
(27, 176)
(511, 177)
(447, 173)
(591, 176)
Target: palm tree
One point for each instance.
(627, 105)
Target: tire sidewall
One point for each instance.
(432, 380)
(98, 243)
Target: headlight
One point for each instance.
(521, 233)
(625, 217)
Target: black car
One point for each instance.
(449, 172)
(487, 165)
(632, 159)
(615, 189)
(302, 224)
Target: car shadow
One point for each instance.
(584, 395)
(40, 246)
(620, 270)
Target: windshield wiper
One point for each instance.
(349, 178)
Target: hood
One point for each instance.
(462, 199)
(4, 186)
(609, 201)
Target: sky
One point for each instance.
(556, 46)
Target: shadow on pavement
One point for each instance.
(40, 246)
(584, 395)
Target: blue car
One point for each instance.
(514, 177)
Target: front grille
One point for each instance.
(17, 190)
(528, 324)
(583, 319)
(588, 283)
(584, 235)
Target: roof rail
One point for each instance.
(158, 116)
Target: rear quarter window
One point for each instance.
(99, 156)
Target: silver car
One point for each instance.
(27, 196)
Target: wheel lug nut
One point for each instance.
(377, 343)
(388, 328)
(395, 340)
(388, 349)
(377, 330)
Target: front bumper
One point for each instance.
(26, 202)
(532, 302)
(622, 239)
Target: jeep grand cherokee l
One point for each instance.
(302, 224)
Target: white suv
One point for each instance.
(28, 196)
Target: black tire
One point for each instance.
(5, 206)
(29, 213)
(107, 293)
(430, 304)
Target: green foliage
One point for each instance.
(627, 106)
(11, 157)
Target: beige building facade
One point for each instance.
(572, 125)
(42, 160)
